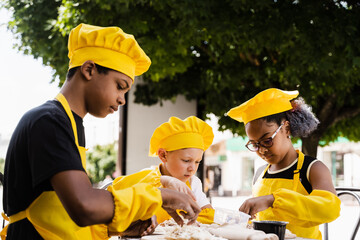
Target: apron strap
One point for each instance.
(260, 174)
(265, 170)
(66, 106)
(298, 168)
(13, 218)
(17, 217)
(5, 217)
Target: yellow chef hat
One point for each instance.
(175, 134)
(265, 103)
(109, 47)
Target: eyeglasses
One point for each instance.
(266, 143)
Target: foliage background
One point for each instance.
(221, 53)
(2, 165)
(101, 162)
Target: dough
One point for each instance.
(236, 232)
(169, 230)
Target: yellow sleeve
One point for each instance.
(146, 176)
(206, 216)
(140, 201)
(99, 232)
(306, 211)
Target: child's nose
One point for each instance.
(191, 167)
(121, 99)
(262, 149)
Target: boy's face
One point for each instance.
(182, 163)
(106, 92)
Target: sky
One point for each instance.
(24, 81)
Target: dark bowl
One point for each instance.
(276, 227)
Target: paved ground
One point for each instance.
(340, 229)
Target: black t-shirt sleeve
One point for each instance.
(42, 145)
(52, 148)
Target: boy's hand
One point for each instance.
(173, 200)
(176, 184)
(257, 204)
(138, 228)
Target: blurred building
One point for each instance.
(138, 124)
(230, 166)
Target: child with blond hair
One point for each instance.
(180, 145)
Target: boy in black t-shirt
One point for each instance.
(47, 193)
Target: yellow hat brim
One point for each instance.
(265, 103)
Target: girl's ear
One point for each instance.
(287, 128)
(162, 155)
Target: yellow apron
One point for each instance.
(46, 213)
(266, 186)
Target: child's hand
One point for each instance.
(139, 228)
(174, 200)
(176, 184)
(257, 204)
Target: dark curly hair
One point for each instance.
(301, 118)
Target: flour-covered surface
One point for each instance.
(187, 232)
(289, 234)
(169, 230)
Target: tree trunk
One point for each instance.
(310, 144)
(121, 161)
(201, 170)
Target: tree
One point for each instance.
(101, 162)
(221, 53)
